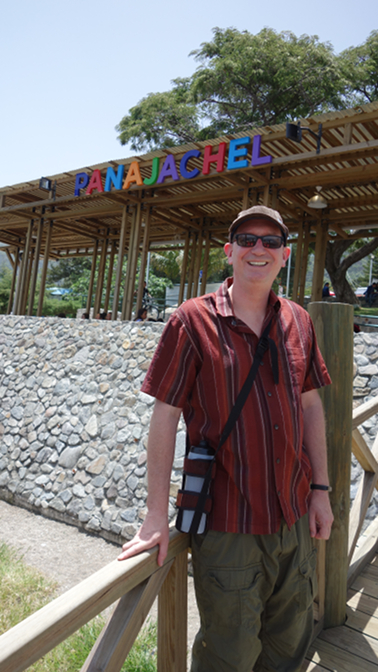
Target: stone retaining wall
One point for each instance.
(74, 425)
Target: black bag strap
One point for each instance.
(263, 345)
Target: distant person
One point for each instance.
(109, 315)
(141, 315)
(85, 316)
(146, 293)
(371, 294)
(61, 315)
(326, 293)
(103, 316)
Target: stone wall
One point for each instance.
(74, 424)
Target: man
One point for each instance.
(254, 567)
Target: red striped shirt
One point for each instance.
(200, 365)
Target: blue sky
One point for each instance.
(72, 69)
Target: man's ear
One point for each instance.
(286, 255)
(228, 252)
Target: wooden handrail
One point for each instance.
(364, 412)
(31, 639)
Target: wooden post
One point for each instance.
(245, 202)
(302, 281)
(27, 283)
(36, 264)
(134, 261)
(101, 275)
(205, 267)
(319, 263)
(91, 280)
(197, 265)
(191, 267)
(44, 268)
(23, 270)
(334, 330)
(14, 277)
(184, 267)
(143, 260)
(298, 260)
(110, 275)
(128, 267)
(172, 618)
(121, 252)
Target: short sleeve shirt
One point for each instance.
(202, 360)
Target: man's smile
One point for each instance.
(257, 263)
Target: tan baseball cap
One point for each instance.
(259, 212)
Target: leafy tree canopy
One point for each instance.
(244, 80)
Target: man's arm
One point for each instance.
(320, 512)
(160, 454)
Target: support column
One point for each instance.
(334, 330)
(191, 267)
(184, 267)
(101, 275)
(132, 262)
(23, 271)
(37, 253)
(91, 280)
(121, 252)
(14, 277)
(205, 264)
(143, 260)
(109, 278)
(27, 284)
(302, 282)
(128, 267)
(197, 265)
(319, 263)
(298, 259)
(44, 268)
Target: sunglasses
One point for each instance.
(250, 240)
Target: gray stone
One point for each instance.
(66, 495)
(17, 412)
(57, 504)
(129, 515)
(89, 503)
(79, 490)
(69, 457)
(91, 427)
(132, 482)
(97, 465)
(62, 387)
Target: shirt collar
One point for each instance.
(224, 305)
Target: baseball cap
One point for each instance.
(259, 212)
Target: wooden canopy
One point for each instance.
(186, 197)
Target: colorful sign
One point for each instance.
(237, 158)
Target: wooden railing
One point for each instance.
(361, 550)
(134, 583)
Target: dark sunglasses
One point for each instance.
(250, 240)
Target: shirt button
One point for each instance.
(279, 493)
(261, 363)
(276, 427)
(234, 325)
(269, 394)
(278, 460)
(204, 644)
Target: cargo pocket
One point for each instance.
(236, 595)
(307, 581)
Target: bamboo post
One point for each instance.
(110, 275)
(205, 264)
(121, 252)
(197, 265)
(128, 267)
(319, 263)
(302, 282)
(143, 260)
(101, 274)
(334, 329)
(134, 261)
(172, 618)
(298, 260)
(191, 267)
(44, 269)
(91, 280)
(14, 277)
(23, 270)
(27, 284)
(184, 267)
(36, 264)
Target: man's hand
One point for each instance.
(320, 515)
(154, 531)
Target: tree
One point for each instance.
(337, 265)
(360, 67)
(242, 80)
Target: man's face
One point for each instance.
(257, 264)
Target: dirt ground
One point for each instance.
(66, 554)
